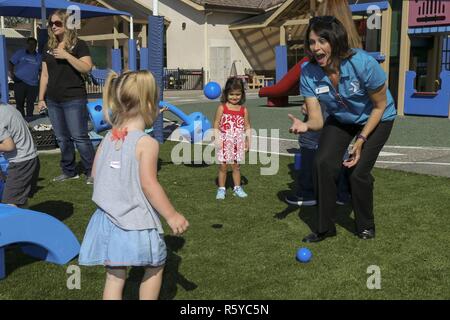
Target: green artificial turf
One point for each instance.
(245, 248)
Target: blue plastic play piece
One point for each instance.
(3, 164)
(4, 171)
(96, 139)
(194, 125)
(40, 236)
(95, 109)
(427, 103)
(2, 186)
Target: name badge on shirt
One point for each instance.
(323, 89)
(115, 164)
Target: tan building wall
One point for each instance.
(192, 37)
(196, 39)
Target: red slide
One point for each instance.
(278, 94)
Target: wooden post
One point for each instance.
(433, 62)
(116, 32)
(126, 55)
(143, 36)
(312, 8)
(386, 38)
(282, 35)
(405, 47)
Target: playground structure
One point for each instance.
(425, 19)
(288, 81)
(192, 128)
(150, 60)
(39, 235)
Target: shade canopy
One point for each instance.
(32, 9)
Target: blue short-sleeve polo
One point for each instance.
(27, 66)
(351, 103)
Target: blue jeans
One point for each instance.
(305, 178)
(70, 124)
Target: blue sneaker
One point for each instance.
(220, 194)
(239, 192)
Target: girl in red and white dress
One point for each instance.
(233, 135)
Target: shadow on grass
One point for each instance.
(309, 214)
(281, 195)
(342, 217)
(229, 184)
(197, 165)
(171, 277)
(35, 188)
(15, 258)
(60, 210)
(289, 209)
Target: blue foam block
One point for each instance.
(41, 235)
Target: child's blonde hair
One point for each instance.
(133, 93)
(70, 34)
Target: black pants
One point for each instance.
(333, 143)
(25, 93)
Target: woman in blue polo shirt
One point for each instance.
(352, 86)
(24, 67)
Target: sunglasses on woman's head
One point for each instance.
(58, 23)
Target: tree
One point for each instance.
(12, 22)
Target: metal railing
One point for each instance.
(183, 79)
(174, 79)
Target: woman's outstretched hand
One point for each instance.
(298, 126)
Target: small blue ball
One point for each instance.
(304, 255)
(212, 90)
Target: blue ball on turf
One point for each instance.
(212, 90)
(304, 255)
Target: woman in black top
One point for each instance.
(65, 59)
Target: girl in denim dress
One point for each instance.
(125, 230)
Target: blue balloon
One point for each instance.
(304, 255)
(212, 90)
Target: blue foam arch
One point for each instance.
(43, 236)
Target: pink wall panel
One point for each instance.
(428, 13)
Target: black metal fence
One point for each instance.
(174, 79)
(183, 79)
(95, 85)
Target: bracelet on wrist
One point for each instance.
(360, 136)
